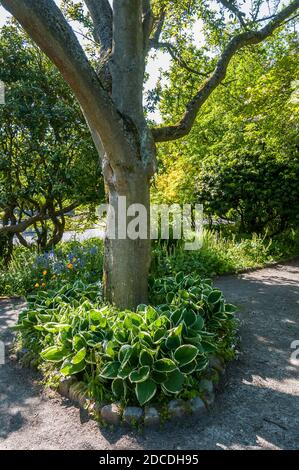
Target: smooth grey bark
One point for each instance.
(127, 261)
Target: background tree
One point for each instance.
(112, 97)
(48, 163)
(241, 159)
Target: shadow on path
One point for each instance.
(257, 409)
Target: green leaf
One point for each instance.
(53, 327)
(124, 372)
(185, 354)
(151, 315)
(159, 377)
(179, 277)
(199, 323)
(119, 388)
(189, 318)
(164, 365)
(110, 371)
(136, 319)
(201, 363)
(125, 354)
(54, 354)
(140, 375)
(176, 317)
(174, 339)
(189, 368)
(214, 296)
(175, 381)
(169, 297)
(229, 308)
(141, 308)
(208, 347)
(79, 356)
(146, 358)
(145, 391)
(159, 335)
(110, 348)
(68, 368)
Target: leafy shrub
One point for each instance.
(154, 352)
(259, 191)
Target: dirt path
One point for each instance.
(258, 409)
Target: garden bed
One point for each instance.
(165, 357)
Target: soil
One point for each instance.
(257, 407)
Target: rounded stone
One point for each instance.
(151, 417)
(111, 413)
(177, 408)
(209, 398)
(96, 408)
(133, 415)
(216, 364)
(21, 353)
(75, 392)
(197, 406)
(65, 384)
(206, 385)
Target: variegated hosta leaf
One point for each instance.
(145, 391)
(174, 382)
(110, 371)
(140, 375)
(164, 365)
(185, 354)
(119, 388)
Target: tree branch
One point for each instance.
(102, 17)
(235, 10)
(184, 126)
(46, 25)
(22, 226)
(170, 48)
(147, 22)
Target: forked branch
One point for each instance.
(184, 126)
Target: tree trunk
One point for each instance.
(127, 260)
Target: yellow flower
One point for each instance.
(36, 285)
(70, 266)
(43, 284)
(45, 272)
(74, 260)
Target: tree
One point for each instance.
(112, 97)
(241, 159)
(48, 163)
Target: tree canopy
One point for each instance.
(48, 163)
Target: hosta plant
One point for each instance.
(159, 351)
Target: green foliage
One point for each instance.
(131, 356)
(30, 271)
(48, 163)
(224, 251)
(241, 159)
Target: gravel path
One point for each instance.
(258, 408)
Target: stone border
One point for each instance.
(149, 416)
